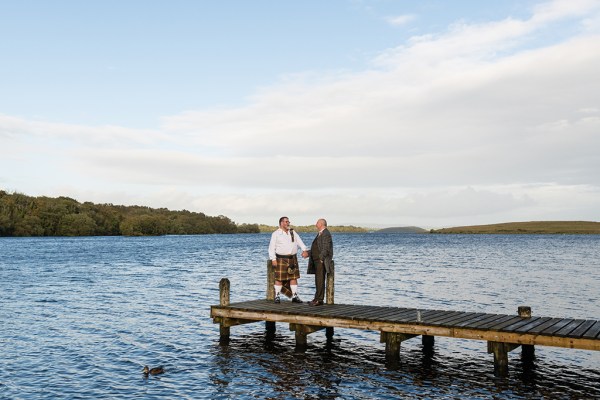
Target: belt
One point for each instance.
(288, 257)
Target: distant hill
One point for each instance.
(538, 227)
(402, 229)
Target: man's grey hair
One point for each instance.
(324, 221)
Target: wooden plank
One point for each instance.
(350, 311)
(485, 318)
(513, 326)
(331, 310)
(476, 317)
(325, 310)
(567, 329)
(593, 332)
(556, 327)
(486, 321)
(389, 314)
(459, 320)
(581, 329)
(372, 314)
(441, 319)
(429, 316)
(456, 320)
(379, 313)
(401, 316)
(525, 328)
(545, 325)
(363, 313)
(505, 319)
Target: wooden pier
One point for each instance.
(503, 333)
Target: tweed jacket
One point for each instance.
(325, 246)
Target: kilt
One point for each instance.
(280, 271)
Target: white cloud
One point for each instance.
(468, 126)
(400, 20)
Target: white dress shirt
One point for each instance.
(281, 243)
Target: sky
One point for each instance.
(372, 113)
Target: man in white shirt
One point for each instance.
(283, 252)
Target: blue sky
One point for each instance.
(375, 113)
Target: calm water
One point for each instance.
(80, 317)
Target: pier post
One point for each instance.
(224, 287)
(330, 289)
(427, 342)
(301, 342)
(527, 350)
(329, 297)
(269, 325)
(270, 281)
(392, 346)
(392, 342)
(500, 350)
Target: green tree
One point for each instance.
(142, 225)
(30, 225)
(76, 225)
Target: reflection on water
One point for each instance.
(81, 317)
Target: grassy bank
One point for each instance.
(556, 227)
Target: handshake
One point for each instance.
(305, 254)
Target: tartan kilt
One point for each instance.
(280, 271)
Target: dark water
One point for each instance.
(80, 318)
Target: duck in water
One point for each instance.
(153, 371)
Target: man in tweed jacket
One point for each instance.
(320, 260)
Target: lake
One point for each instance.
(80, 317)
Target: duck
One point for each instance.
(153, 371)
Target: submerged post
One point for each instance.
(500, 351)
(224, 287)
(392, 347)
(527, 350)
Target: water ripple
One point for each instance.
(82, 316)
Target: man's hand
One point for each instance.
(305, 254)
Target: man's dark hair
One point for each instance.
(281, 219)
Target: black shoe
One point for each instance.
(277, 300)
(315, 303)
(296, 299)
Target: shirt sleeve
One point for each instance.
(272, 246)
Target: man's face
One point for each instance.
(319, 225)
(285, 224)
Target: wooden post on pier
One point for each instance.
(501, 349)
(269, 325)
(330, 288)
(224, 289)
(427, 342)
(392, 346)
(527, 350)
(392, 342)
(329, 297)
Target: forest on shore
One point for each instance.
(22, 215)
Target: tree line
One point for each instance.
(22, 215)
